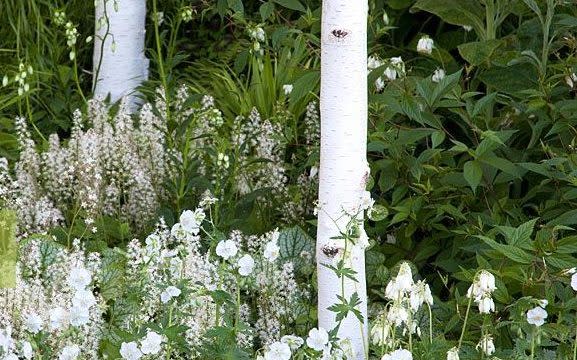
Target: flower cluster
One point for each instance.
(481, 291)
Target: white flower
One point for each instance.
(420, 294)
(390, 73)
(6, 339)
(380, 333)
(486, 281)
(10, 356)
(293, 341)
(398, 314)
(83, 299)
(130, 351)
(58, 318)
(486, 345)
(486, 305)
(467, 28)
(536, 316)
(287, 88)
(453, 354)
(79, 316)
(399, 354)
(257, 34)
(79, 278)
(271, 251)
(245, 265)
(151, 344)
(404, 277)
(33, 323)
(570, 80)
(574, 281)
(278, 351)
(317, 339)
(226, 249)
(425, 45)
(438, 75)
(373, 62)
(169, 293)
(70, 352)
(191, 221)
(26, 350)
(543, 303)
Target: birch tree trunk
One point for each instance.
(120, 64)
(343, 166)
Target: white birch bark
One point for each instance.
(343, 164)
(120, 64)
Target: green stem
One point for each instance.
(161, 69)
(430, 323)
(76, 78)
(575, 345)
(533, 345)
(466, 318)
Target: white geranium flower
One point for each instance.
(287, 88)
(151, 344)
(226, 249)
(70, 352)
(278, 351)
(79, 278)
(438, 75)
(574, 281)
(169, 293)
(130, 351)
(453, 354)
(79, 316)
(26, 350)
(10, 356)
(317, 339)
(271, 251)
(294, 342)
(425, 45)
(33, 323)
(245, 265)
(191, 220)
(83, 299)
(399, 354)
(58, 318)
(536, 316)
(486, 345)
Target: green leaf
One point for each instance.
(378, 213)
(266, 10)
(304, 85)
(510, 251)
(568, 218)
(236, 6)
(479, 52)
(456, 12)
(502, 164)
(511, 79)
(293, 243)
(473, 174)
(291, 4)
(437, 138)
(522, 235)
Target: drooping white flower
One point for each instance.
(151, 344)
(399, 354)
(58, 318)
(317, 338)
(537, 316)
(380, 332)
(543, 303)
(79, 316)
(425, 45)
(486, 345)
(226, 249)
(130, 351)
(419, 294)
(294, 342)
(26, 350)
(33, 323)
(438, 75)
(271, 251)
(570, 80)
(70, 352)
(486, 281)
(245, 265)
(486, 305)
(79, 278)
(453, 354)
(373, 62)
(574, 281)
(287, 89)
(278, 351)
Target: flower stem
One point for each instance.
(466, 318)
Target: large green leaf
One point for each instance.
(473, 173)
(457, 12)
(291, 4)
(510, 251)
(511, 79)
(479, 52)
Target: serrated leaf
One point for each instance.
(479, 52)
(456, 12)
(266, 10)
